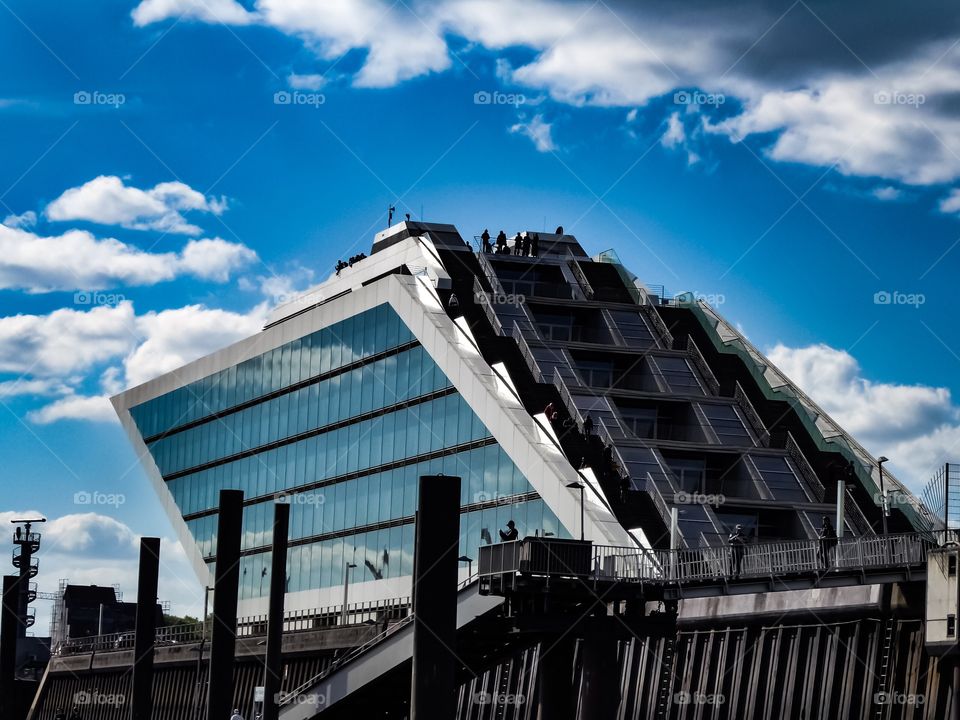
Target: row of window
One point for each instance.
(428, 427)
(340, 344)
(487, 475)
(388, 553)
(382, 383)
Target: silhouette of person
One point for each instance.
(588, 425)
(535, 245)
(19, 533)
(517, 244)
(511, 534)
(828, 542)
(526, 244)
(501, 242)
(559, 230)
(485, 239)
(737, 541)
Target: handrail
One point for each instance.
(247, 626)
(808, 477)
(753, 417)
(716, 563)
(360, 649)
(702, 366)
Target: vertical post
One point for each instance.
(555, 699)
(145, 634)
(433, 691)
(347, 567)
(278, 574)
(9, 625)
(841, 494)
(225, 588)
(946, 503)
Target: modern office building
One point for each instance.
(429, 357)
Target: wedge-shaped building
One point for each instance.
(521, 374)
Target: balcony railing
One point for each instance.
(753, 417)
(701, 364)
(774, 559)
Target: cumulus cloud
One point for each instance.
(917, 426)
(23, 220)
(951, 203)
(175, 337)
(873, 99)
(55, 354)
(77, 260)
(92, 548)
(539, 131)
(887, 193)
(108, 201)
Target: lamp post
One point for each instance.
(346, 586)
(469, 561)
(883, 492)
(579, 486)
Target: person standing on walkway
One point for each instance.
(737, 542)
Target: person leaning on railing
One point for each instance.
(828, 542)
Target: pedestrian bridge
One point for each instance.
(708, 571)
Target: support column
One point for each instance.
(145, 635)
(599, 693)
(226, 586)
(433, 691)
(9, 625)
(273, 670)
(555, 699)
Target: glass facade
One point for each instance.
(343, 422)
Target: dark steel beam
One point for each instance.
(145, 635)
(273, 669)
(226, 585)
(9, 629)
(433, 687)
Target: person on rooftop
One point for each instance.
(485, 240)
(501, 242)
(517, 245)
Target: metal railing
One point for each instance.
(753, 417)
(808, 477)
(393, 609)
(716, 563)
(701, 364)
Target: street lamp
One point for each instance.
(579, 486)
(346, 585)
(469, 561)
(883, 492)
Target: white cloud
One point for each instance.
(539, 131)
(306, 82)
(887, 193)
(176, 337)
(66, 341)
(951, 203)
(36, 263)
(32, 387)
(23, 220)
(227, 12)
(812, 80)
(108, 201)
(96, 408)
(917, 426)
(92, 548)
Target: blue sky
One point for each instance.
(159, 195)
